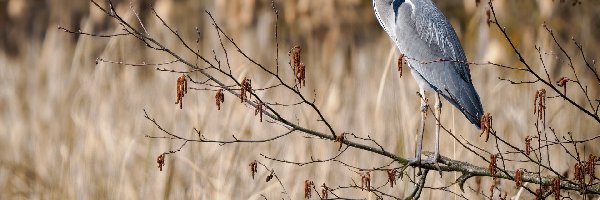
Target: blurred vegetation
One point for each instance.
(71, 129)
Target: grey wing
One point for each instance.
(435, 30)
(435, 39)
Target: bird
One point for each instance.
(436, 60)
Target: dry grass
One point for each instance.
(71, 129)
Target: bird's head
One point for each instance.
(386, 12)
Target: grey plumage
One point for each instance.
(423, 34)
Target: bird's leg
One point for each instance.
(417, 159)
(438, 123)
(437, 115)
(434, 159)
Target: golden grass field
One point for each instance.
(71, 129)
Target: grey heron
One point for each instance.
(435, 57)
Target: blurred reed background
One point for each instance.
(71, 129)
